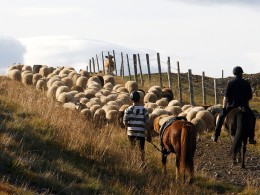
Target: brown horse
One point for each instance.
(180, 138)
(238, 123)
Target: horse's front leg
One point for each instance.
(164, 160)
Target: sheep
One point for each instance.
(200, 125)
(87, 113)
(75, 77)
(69, 105)
(79, 95)
(84, 73)
(131, 86)
(84, 100)
(163, 102)
(94, 108)
(215, 109)
(93, 79)
(52, 80)
(173, 110)
(44, 71)
(208, 119)
(105, 92)
(58, 83)
(155, 91)
(99, 117)
(68, 82)
(156, 122)
(29, 68)
(41, 85)
(121, 90)
(150, 97)
(65, 97)
(82, 81)
(111, 115)
(52, 91)
(192, 114)
(108, 86)
(36, 69)
(35, 78)
(15, 74)
(116, 87)
(90, 93)
(91, 103)
(120, 115)
(27, 78)
(186, 107)
(167, 93)
(110, 107)
(60, 90)
(174, 103)
(150, 106)
(159, 111)
(77, 88)
(109, 64)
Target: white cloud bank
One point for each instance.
(11, 51)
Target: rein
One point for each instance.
(156, 147)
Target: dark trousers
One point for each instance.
(141, 143)
(224, 113)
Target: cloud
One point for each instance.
(210, 2)
(75, 51)
(11, 51)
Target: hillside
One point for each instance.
(48, 150)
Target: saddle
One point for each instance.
(162, 129)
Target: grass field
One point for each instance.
(48, 150)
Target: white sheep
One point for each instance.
(60, 90)
(150, 97)
(173, 110)
(174, 103)
(200, 125)
(14, 74)
(208, 119)
(131, 86)
(41, 85)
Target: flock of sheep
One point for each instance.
(100, 99)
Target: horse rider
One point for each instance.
(136, 119)
(237, 94)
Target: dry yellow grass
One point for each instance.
(51, 150)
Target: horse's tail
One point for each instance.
(240, 122)
(188, 146)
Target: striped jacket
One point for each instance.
(136, 118)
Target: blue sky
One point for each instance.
(203, 35)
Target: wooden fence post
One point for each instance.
(203, 89)
(93, 62)
(135, 68)
(114, 55)
(90, 66)
(169, 73)
(148, 68)
(191, 87)
(222, 74)
(140, 68)
(122, 66)
(128, 65)
(103, 62)
(179, 82)
(97, 62)
(159, 69)
(215, 91)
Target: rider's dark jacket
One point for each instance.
(238, 92)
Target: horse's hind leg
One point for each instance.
(164, 160)
(177, 168)
(191, 172)
(244, 152)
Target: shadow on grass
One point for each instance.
(44, 174)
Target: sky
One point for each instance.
(202, 35)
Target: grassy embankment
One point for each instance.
(46, 149)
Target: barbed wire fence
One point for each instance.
(187, 88)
